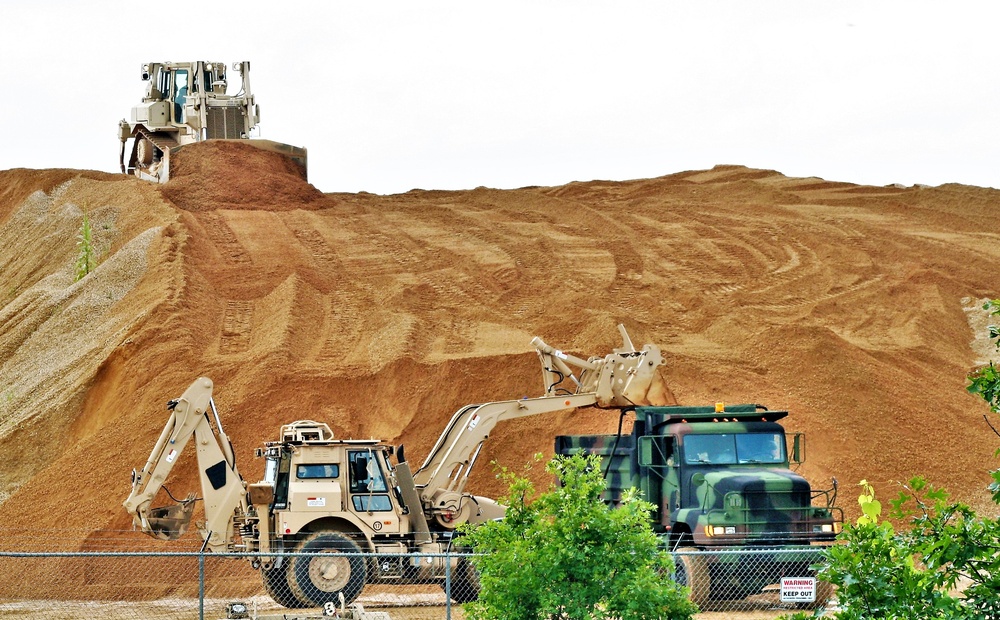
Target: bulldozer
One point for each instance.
(185, 103)
(332, 515)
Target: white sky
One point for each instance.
(390, 96)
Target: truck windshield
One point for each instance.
(760, 448)
(728, 449)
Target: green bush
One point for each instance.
(566, 554)
(86, 258)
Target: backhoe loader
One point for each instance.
(352, 515)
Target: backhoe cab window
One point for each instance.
(366, 476)
(315, 470)
(368, 483)
(271, 470)
(729, 449)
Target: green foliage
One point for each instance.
(986, 381)
(565, 554)
(915, 573)
(86, 258)
(871, 508)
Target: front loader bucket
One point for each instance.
(657, 394)
(170, 522)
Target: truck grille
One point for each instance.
(225, 123)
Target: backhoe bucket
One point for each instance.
(170, 522)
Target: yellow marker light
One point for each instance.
(720, 407)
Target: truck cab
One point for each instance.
(717, 476)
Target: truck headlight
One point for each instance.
(719, 530)
(826, 528)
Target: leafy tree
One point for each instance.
(566, 554)
(911, 573)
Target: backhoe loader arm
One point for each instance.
(223, 489)
(624, 378)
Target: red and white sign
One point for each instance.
(315, 502)
(798, 589)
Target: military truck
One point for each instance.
(720, 479)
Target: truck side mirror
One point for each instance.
(798, 448)
(645, 451)
(655, 451)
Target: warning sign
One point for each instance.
(798, 589)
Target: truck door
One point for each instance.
(658, 477)
(369, 492)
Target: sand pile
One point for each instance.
(382, 315)
(214, 175)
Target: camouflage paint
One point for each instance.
(763, 504)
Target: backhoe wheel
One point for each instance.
(464, 582)
(334, 567)
(277, 587)
(692, 571)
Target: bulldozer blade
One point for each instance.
(170, 522)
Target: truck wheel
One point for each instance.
(335, 568)
(277, 587)
(692, 571)
(464, 582)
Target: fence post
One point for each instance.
(201, 579)
(447, 582)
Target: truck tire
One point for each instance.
(692, 571)
(464, 582)
(335, 568)
(277, 587)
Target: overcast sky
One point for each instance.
(390, 96)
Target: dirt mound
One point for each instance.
(382, 315)
(213, 175)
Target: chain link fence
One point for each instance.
(153, 585)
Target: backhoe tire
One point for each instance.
(692, 571)
(334, 568)
(277, 587)
(464, 582)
